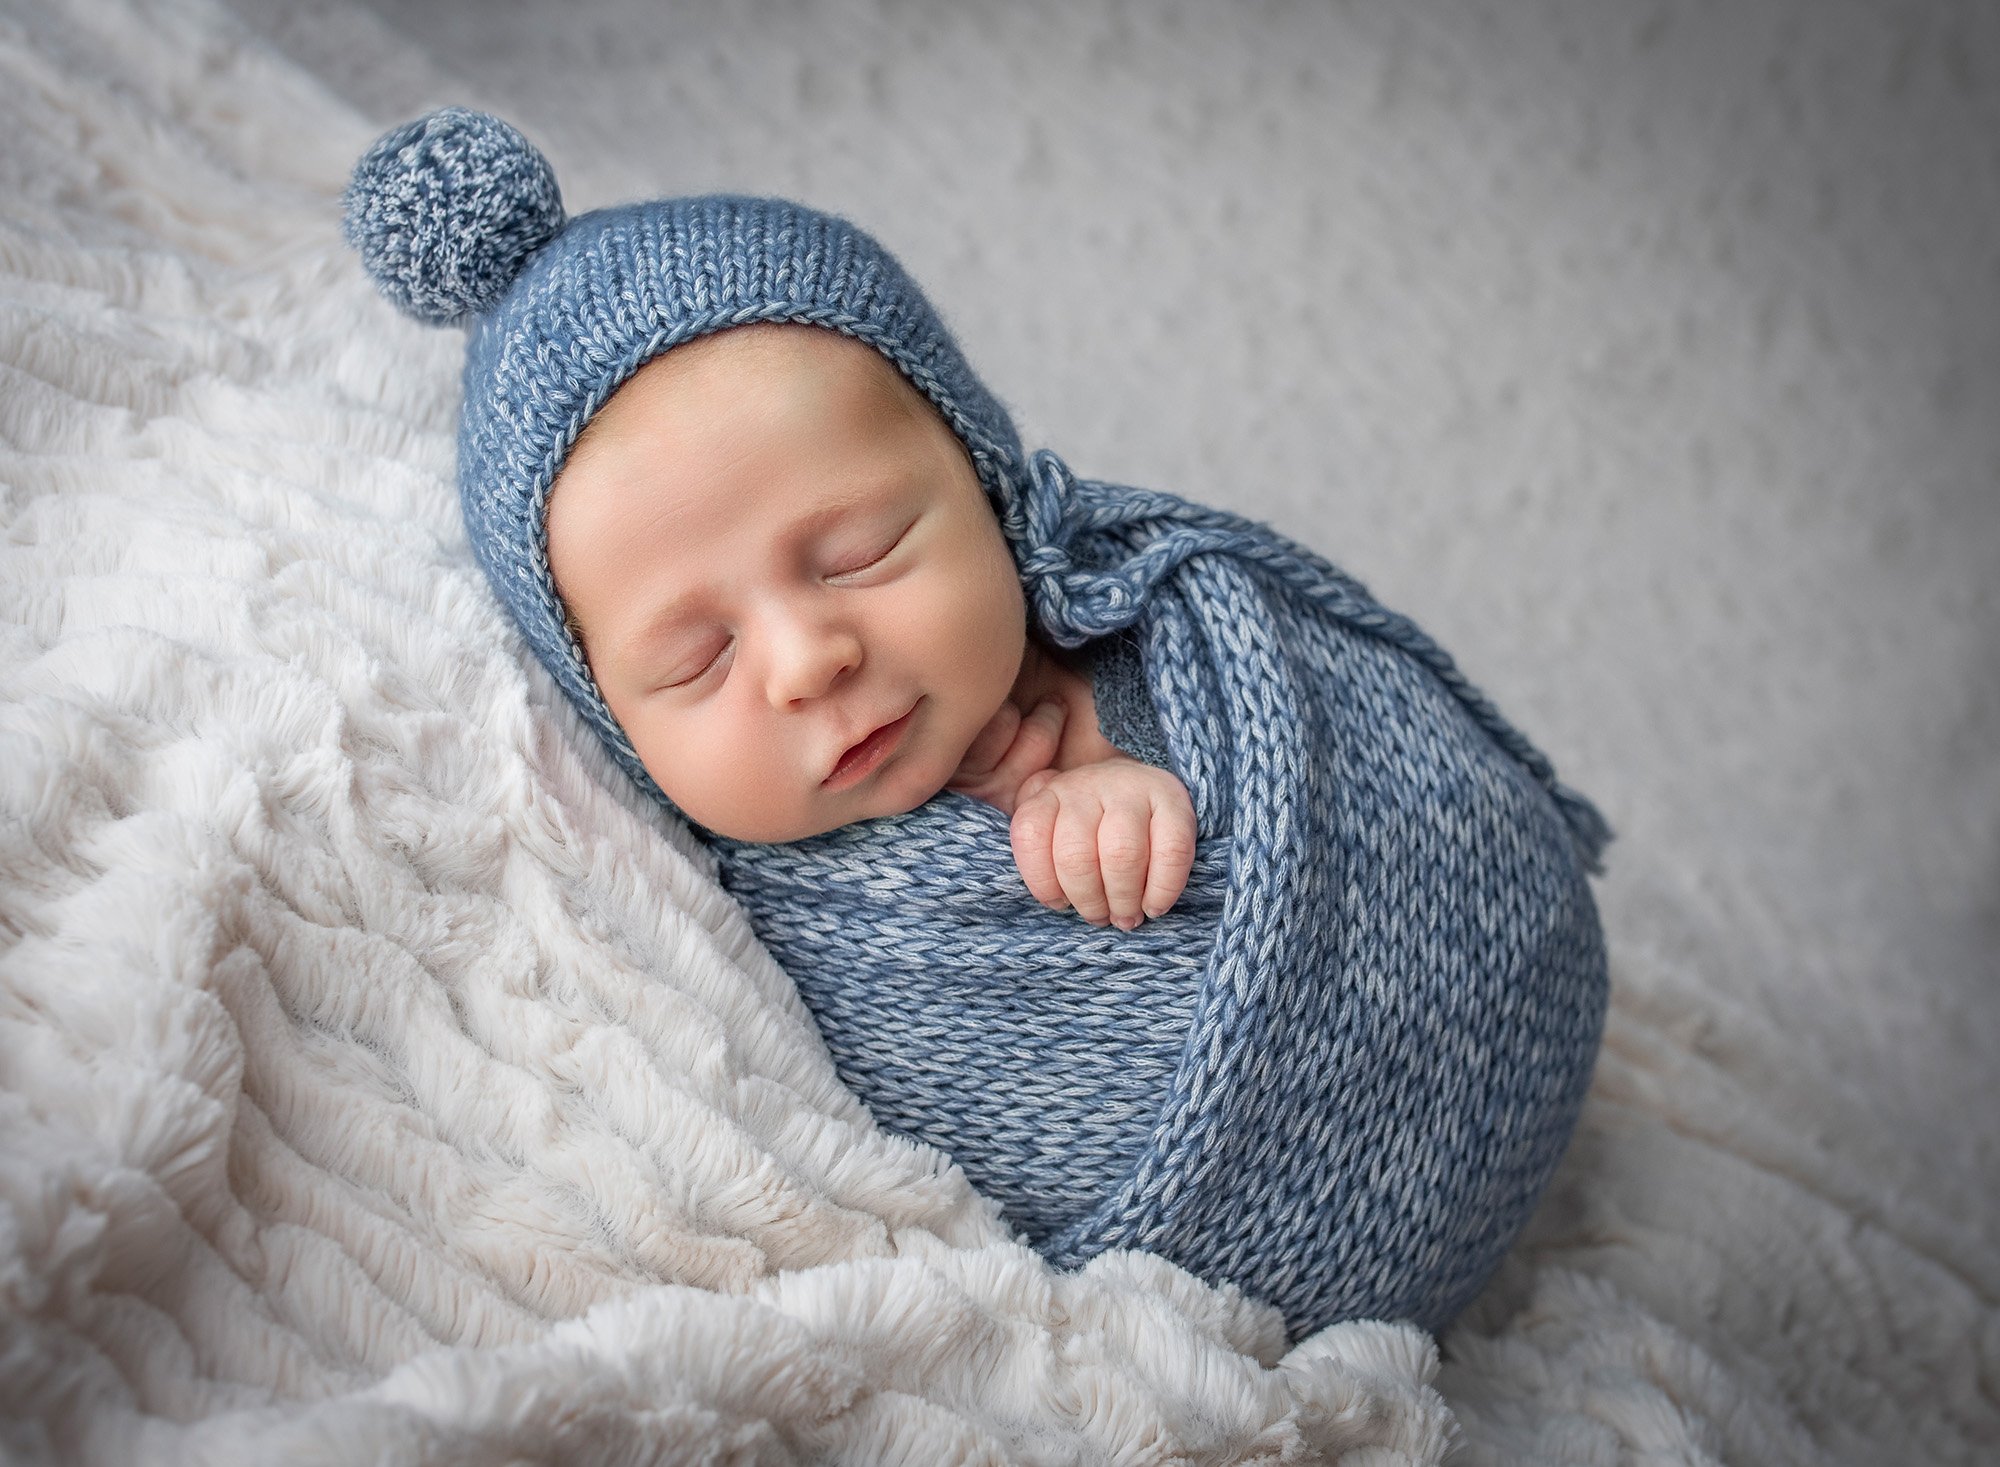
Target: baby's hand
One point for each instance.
(1114, 840)
(1007, 751)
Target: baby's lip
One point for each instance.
(841, 775)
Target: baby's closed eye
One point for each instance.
(689, 670)
(872, 554)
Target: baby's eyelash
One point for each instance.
(880, 556)
(701, 672)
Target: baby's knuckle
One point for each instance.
(1122, 849)
(1073, 853)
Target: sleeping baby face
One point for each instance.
(791, 589)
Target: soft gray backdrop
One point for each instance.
(1648, 355)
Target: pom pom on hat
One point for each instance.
(447, 210)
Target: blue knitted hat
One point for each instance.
(459, 221)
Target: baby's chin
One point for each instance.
(894, 797)
(875, 801)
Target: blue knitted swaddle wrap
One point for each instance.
(1342, 1069)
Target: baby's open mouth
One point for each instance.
(865, 757)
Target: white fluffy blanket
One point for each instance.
(381, 1081)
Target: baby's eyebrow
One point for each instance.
(641, 643)
(817, 522)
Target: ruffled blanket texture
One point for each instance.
(380, 1082)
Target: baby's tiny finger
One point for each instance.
(1031, 832)
(1036, 740)
(1172, 841)
(1121, 854)
(1075, 851)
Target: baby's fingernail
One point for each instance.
(1160, 913)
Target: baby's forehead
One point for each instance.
(845, 379)
(760, 355)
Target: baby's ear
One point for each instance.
(575, 630)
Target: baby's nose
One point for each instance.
(810, 659)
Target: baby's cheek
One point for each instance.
(726, 781)
(989, 626)
(986, 722)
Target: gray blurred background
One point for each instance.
(1647, 355)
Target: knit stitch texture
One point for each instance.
(447, 209)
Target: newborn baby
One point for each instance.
(782, 550)
(799, 605)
